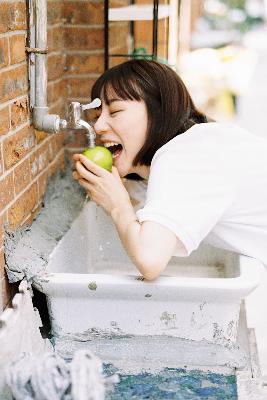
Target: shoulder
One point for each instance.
(200, 137)
(208, 138)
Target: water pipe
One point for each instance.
(37, 49)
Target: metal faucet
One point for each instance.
(75, 120)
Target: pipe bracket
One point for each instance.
(36, 50)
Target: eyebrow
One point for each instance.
(110, 101)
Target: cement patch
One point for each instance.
(28, 249)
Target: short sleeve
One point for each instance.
(189, 190)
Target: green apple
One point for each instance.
(100, 156)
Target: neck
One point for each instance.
(142, 170)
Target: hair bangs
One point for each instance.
(118, 83)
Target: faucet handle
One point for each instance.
(94, 104)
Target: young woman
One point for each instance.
(207, 181)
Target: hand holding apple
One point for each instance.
(99, 155)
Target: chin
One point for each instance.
(123, 171)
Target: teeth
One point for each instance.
(109, 144)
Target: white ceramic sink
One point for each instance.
(92, 286)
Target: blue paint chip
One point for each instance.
(175, 384)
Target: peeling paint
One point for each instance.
(231, 329)
(92, 286)
(169, 320)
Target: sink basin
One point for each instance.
(92, 287)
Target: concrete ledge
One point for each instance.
(28, 249)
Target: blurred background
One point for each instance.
(217, 46)
(224, 62)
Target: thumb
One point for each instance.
(115, 172)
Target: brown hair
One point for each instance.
(170, 108)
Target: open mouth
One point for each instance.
(114, 148)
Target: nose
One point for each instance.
(101, 124)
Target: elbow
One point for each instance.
(150, 275)
(150, 269)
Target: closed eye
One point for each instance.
(114, 112)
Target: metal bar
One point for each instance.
(31, 59)
(106, 34)
(40, 59)
(132, 31)
(155, 28)
(179, 25)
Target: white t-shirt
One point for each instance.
(210, 184)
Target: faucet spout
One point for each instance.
(75, 120)
(90, 132)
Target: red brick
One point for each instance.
(4, 120)
(55, 91)
(54, 11)
(17, 146)
(61, 161)
(39, 160)
(58, 108)
(84, 38)
(1, 161)
(55, 38)
(23, 207)
(50, 92)
(6, 190)
(3, 52)
(83, 12)
(42, 182)
(84, 63)
(19, 112)
(57, 143)
(58, 164)
(12, 16)
(40, 135)
(121, 3)
(13, 83)
(55, 64)
(59, 89)
(17, 48)
(2, 229)
(22, 176)
(80, 87)
(118, 36)
(143, 36)
(76, 139)
(32, 217)
(117, 60)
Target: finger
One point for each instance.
(85, 173)
(92, 167)
(115, 172)
(84, 183)
(76, 175)
(76, 157)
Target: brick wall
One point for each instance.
(75, 59)
(27, 157)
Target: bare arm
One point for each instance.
(149, 245)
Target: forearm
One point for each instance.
(149, 245)
(129, 230)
